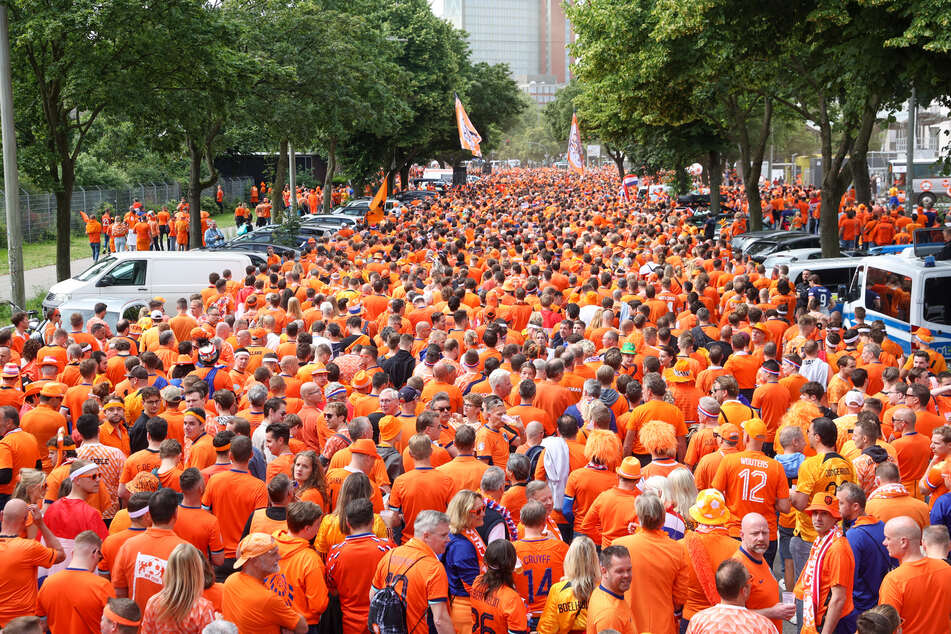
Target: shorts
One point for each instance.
(785, 534)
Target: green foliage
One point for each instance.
(529, 138)
(287, 233)
(558, 112)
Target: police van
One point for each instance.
(907, 291)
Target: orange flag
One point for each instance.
(375, 214)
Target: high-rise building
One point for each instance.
(531, 36)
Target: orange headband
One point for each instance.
(121, 620)
(224, 447)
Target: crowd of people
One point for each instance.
(144, 229)
(526, 405)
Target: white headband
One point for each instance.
(137, 514)
(83, 471)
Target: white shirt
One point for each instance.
(815, 370)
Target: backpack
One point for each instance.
(392, 460)
(533, 455)
(388, 607)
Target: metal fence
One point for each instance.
(38, 210)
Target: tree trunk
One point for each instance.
(329, 175)
(64, 197)
(280, 178)
(404, 176)
(859, 154)
(751, 157)
(618, 157)
(195, 237)
(715, 177)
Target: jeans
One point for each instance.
(120, 243)
(800, 555)
(847, 244)
(163, 238)
(95, 250)
(171, 242)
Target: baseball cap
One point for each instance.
(254, 545)
(156, 315)
(171, 393)
(408, 394)
(628, 348)
(854, 397)
(53, 389)
(825, 502)
(729, 431)
(755, 428)
(363, 446)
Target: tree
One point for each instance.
(73, 61)
(195, 103)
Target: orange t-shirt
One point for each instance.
(662, 560)
(655, 410)
(421, 489)
(543, 563)
(921, 592)
(772, 401)
(751, 482)
(43, 423)
(764, 589)
(140, 563)
(584, 486)
(254, 607)
(610, 515)
(112, 544)
(72, 601)
(913, 451)
(466, 471)
(18, 450)
(423, 583)
(502, 611)
(838, 569)
(144, 460)
(232, 496)
(350, 569)
(494, 445)
(20, 559)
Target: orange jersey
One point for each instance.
(543, 562)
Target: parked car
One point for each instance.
(257, 251)
(694, 199)
(329, 220)
(761, 249)
(739, 243)
(135, 274)
(116, 308)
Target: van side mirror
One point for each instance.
(105, 280)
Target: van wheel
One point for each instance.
(927, 199)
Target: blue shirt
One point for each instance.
(941, 511)
(872, 563)
(462, 564)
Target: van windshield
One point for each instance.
(94, 270)
(937, 296)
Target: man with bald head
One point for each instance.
(920, 588)
(764, 595)
(20, 557)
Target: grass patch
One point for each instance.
(33, 303)
(40, 254)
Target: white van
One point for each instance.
(146, 274)
(906, 292)
(834, 273)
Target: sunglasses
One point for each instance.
(93, 476)
(442, 409)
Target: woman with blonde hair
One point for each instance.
(294, 312)
(31, 489)
(566, 609)
(333, 526)
(180, 608)
(464, 557)
(678, 496)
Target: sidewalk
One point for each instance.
(40, 280)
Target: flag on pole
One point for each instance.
(375, 214)
(469, 138)
(575, 152)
